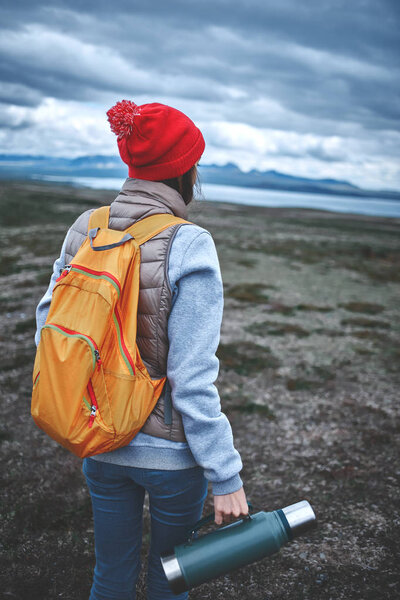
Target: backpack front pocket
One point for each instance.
(71, 372)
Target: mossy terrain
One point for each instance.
(309, 379)
(276, 328)
(246, 358)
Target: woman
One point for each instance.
(187, 440)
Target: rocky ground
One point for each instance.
(309, 379)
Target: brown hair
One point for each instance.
(187, 185)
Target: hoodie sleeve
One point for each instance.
(194, 332)
(44, 304)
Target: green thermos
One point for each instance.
(235, 545)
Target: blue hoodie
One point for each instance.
(192, 367)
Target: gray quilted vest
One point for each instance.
(138, 199)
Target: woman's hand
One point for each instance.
(230, 505)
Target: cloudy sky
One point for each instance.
(307, 88)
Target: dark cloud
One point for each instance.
(368, 27)
(329, 59)
(324, 67)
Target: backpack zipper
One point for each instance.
(91, 273)
(70, 332)
(64, 272)
(36, 379)
(94, 406)
(121, 342)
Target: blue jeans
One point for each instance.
(176, 500)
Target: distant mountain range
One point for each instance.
(30, 167)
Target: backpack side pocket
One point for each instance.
(68, 372)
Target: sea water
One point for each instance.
(262, 197)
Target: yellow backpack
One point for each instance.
(91, 390)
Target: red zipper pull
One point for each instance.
(65, 272)
(92, 415)
(94, 405)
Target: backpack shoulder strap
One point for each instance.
(148, 227)
(99, 218)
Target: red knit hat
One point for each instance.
(156, 141)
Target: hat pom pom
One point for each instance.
(121, 117)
